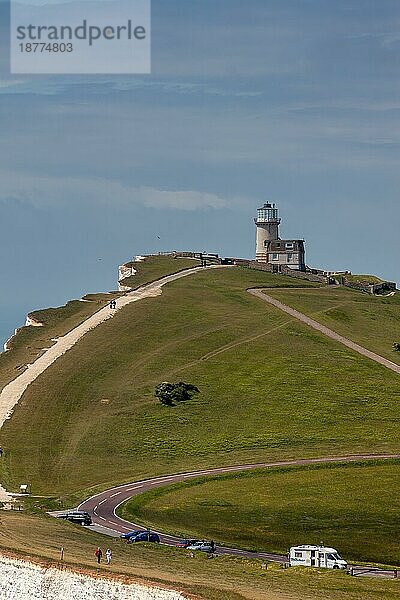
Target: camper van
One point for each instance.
(316, 556)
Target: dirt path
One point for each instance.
(12, 393)
(260, 293)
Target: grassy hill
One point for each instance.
(155, 267)
(270, 388)
(372, 321)
(31, 342)
(363, 278)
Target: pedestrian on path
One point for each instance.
(98, 554)
(109, 556)
(1, 451)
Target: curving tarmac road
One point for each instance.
(102, 507)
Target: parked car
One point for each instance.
(126, 536)
(202, 546)
(144, 536)
(186, 543)
(76, 516)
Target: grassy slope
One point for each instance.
(223, 578)
(354, 508)
(280, 390)
(30, 342)
(155, 267)
(372, 321)
(363, 278)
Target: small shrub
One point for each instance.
(171, 393)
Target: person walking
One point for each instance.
(109, 556)
(1, 451)
(98, 555)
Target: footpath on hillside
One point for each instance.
(12, 392)
(261, 293)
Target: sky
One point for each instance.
(291, 101)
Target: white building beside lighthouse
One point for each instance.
(270, 248)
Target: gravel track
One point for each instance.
(260, 293)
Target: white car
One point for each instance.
(202, 546)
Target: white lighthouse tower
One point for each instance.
(270, 248)
(267, 224)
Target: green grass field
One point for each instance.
(354, 508)
(155, 267)
(270, 388)
(30, 342)
(363, 278)
(372, 321)
(223, 578)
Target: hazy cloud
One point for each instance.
(42, 192)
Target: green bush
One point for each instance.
(171, 393)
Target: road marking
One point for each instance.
(124, 527)
(102, 518)
(102, 502)
(116, 494)
(134, 488)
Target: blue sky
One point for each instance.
(297, 102)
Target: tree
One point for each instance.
(396, 346)
(171, 393)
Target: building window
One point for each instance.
(298, 554)
(290, 257)
(289, 246)
(275, 256)
(265, 243)
(267, 214)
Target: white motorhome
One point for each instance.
(316, 556)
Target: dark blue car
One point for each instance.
(141, 536)
(126, 536)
